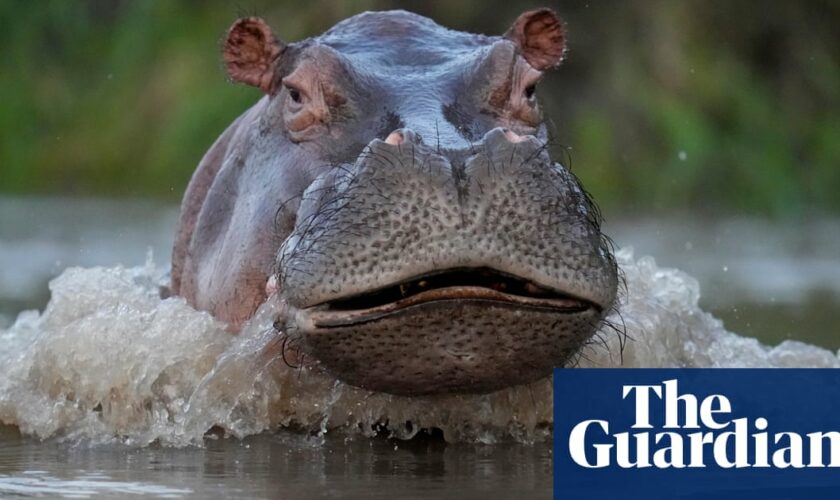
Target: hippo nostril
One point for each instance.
(399, 141)
(503, 138)
(395, 138)
(401, 136)
(513, 136)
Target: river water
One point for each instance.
(106, 389)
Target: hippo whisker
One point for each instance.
(620, 330)
(283, 349)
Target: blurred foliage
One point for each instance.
(662, 104)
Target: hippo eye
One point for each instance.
(294, 94)
(529, 91)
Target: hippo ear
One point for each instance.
(252, 52)
(541, 38)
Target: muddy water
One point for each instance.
(114, 389)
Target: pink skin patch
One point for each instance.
(394, 139)
(513, 136)
(271, 285)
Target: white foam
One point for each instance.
(109, 360)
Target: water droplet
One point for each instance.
(682, 155)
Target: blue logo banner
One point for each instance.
(697, 434)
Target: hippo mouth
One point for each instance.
(474, 285)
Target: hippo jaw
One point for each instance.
(463, 330)
(467, 284)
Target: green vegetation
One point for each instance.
(692, 105)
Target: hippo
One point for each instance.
(393, 190)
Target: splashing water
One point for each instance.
(109, 360)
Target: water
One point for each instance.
(771, 280)
(276, 465)
(115, 389)
(40, 237)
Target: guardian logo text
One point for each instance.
(712, 426)
(686, 433)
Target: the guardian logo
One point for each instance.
(697, 433)
(734, 442)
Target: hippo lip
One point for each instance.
(464, 285)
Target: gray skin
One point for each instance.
(394, 188)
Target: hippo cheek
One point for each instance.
(473, 345)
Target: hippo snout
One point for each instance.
(417, 271)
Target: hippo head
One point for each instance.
(395, 188)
